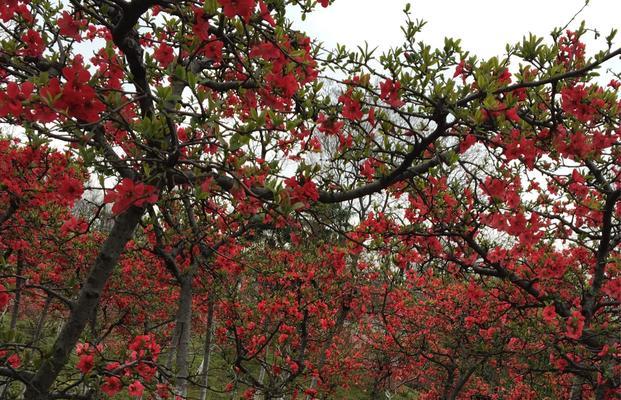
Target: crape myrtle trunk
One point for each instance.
(52, 365)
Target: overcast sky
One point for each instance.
(484, 26)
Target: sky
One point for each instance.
(484, 26)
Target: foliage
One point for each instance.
(271, 219)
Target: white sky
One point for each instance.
(484, 26)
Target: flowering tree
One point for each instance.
(475, 250)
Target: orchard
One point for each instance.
(198, 201)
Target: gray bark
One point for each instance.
(576, 389)
(18, 291)
(184, 328)
(204, 379)
(41, 322)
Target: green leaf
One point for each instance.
(211, 6)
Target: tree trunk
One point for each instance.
(262, 373)
(463, 378)
(18, 290)
(601, 391)
(41, 323)
(184, 326)
(448, 384)
(576, 389)
(173, 346)
(204, 379)
(88, 298)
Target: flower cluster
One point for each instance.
(301, 190)
(390, 93)
(129, 193)
(76, 96)
(577, 102)
(243, 8)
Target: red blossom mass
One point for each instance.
(129, 193)
(86, 363)
(135, 389)
(243, 8)
(5, 298)
(294, 222)
(390, 93)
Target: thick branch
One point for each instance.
(133, 51)
(380, 184)
(602, 254)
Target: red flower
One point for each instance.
(163, 391)
(213, 50)
(265, 13)
(390, 93)
(145, 371)
(329, 126)
(512, 115)
(459, 70)
(112, 385)
(575, 325)
(505, 77)
(467, 142)
(367, 170)
(549, 313)
(164, 55)
(128, 193)
(612, 288)
(76, 97)
(286, 84)
(571, 49)
(495, 188)
(371, 117)
(201, 24)
(301, 193)
(576, 101)
(324, 3)
(34, 43)
(86, 363)
(143, 343)
(4, 297)
(14, 361)
(70, 189)
(69, 26)
(11, 99)
(243, 8)
(351, 107)
(615, 84)
(135, 389)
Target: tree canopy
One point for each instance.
(198, 201)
